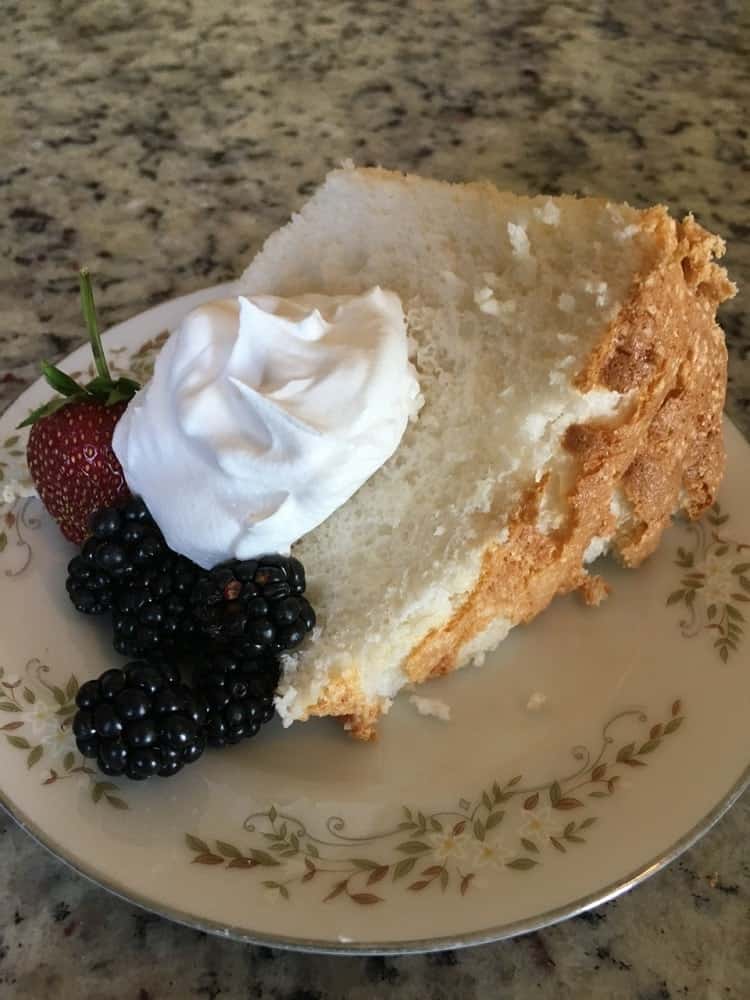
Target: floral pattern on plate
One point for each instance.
(716, 580)
(39, 724)
(505, 826)
(19, 511)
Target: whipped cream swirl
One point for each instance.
(264, 415)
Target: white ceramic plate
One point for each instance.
(513, 815)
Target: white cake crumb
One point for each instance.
(627, 233)
(490, 306)
(549, 214)
(283, 703)
(536, 701)
(621, 507)
(534, 426)
(431, 706)
(519, 240)
(483, 294)
(451, 278)
(344, 939)
(440, 530)
(600, 289)
(598, 546)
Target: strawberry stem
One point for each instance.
(102, 389)
(89, 314)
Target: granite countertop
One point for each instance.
(159, 142)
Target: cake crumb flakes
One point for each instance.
(431, 706)
(536, 701)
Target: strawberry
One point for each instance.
(69, 451)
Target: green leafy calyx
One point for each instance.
(102, 388)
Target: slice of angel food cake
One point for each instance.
(445, 401)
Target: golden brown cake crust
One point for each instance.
(665, 453)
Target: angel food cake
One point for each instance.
(446, 402)
(573, 378)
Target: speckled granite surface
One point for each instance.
(159, 141)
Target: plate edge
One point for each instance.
(418, 945)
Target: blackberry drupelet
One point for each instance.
(238, 685)
(258, 600)
(140, 721)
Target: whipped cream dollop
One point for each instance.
(264, 415)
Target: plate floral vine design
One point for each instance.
(505, 826)
(40, 714)
(716, 580)
(19, 510)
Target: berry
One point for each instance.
(146, 676)
(90, 590)
(238, 686)
(150, 609)
(111, 558)
(107, 723)
(113, 757)
(69, 451)
(133, 704)
(88, 694)
(143, 764)
(127, 567)
(136, 512)
(106, 523)
(72, 464)
(84, 727)
(287, 610)
(111, 684)
(160, 600)
(178, 731)
(257, 600)
(140, 721)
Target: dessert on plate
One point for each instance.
(442, 400)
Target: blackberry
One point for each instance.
(90, 588)
(152, 609)
(123, 539)
(140, 721)
(161, 600)
(127, 567)
(258, 600)
(238, 686)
